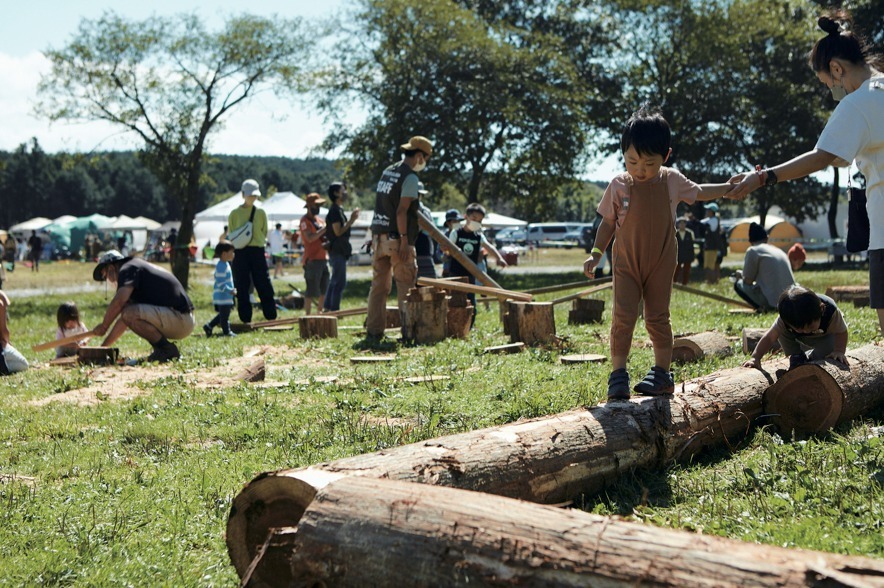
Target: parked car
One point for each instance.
(547, 234)
(510, 236)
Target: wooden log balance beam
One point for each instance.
(500, 293)
(377, 532)
(547, 460)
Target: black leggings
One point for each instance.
(250, 267)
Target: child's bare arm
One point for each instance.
(603, 236)
(764, 345)
(840, 348)
(713, 191)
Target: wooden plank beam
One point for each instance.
(455, 252)
(461, 287)
(583, 293)
(718, 297)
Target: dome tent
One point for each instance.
(780, 233)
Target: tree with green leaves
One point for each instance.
(499, 92)
(171, 83)
(731, 78)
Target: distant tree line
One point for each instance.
(36, 183)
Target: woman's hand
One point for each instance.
(744, 184)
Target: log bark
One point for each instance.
(815, 397)
(459, 320)
(364, 532)
(318, 327)
(256, 372)
(751, 337)
(425, 316)
(700, 346)
(549, 460)
(393, 318)
(585, 311)
(532, 323)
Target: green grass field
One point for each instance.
(131, 483)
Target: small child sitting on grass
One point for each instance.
(808, 322)
(223, 291)
(69, 323)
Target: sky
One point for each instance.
(263, 126)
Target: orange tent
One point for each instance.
(780, 233)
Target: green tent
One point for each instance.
(72, 235)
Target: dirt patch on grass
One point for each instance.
(108, 383)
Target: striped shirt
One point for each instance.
(223, 291)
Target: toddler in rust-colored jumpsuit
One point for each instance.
(638, 208)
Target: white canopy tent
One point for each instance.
(34, 224)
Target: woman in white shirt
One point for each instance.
(854, 132)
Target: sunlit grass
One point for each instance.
(137, 492)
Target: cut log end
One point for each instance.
(583, 358)
(699, 346)
(265, 504)
(805, 400)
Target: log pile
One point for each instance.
(426, 316)
(363, 532)
(692, 348)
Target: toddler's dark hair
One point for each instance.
(223, 247)
(476, 207)
(840, 41)
(798, 307)
(67, 311)
(648, 132)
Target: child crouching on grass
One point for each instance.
(810, 327)
(223, 291)
(69, 323)
(638, 208)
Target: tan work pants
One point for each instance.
(386, 266)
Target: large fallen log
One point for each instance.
(814, 397)
(368, 532)
(548, 460)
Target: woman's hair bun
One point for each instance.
(829, 25)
